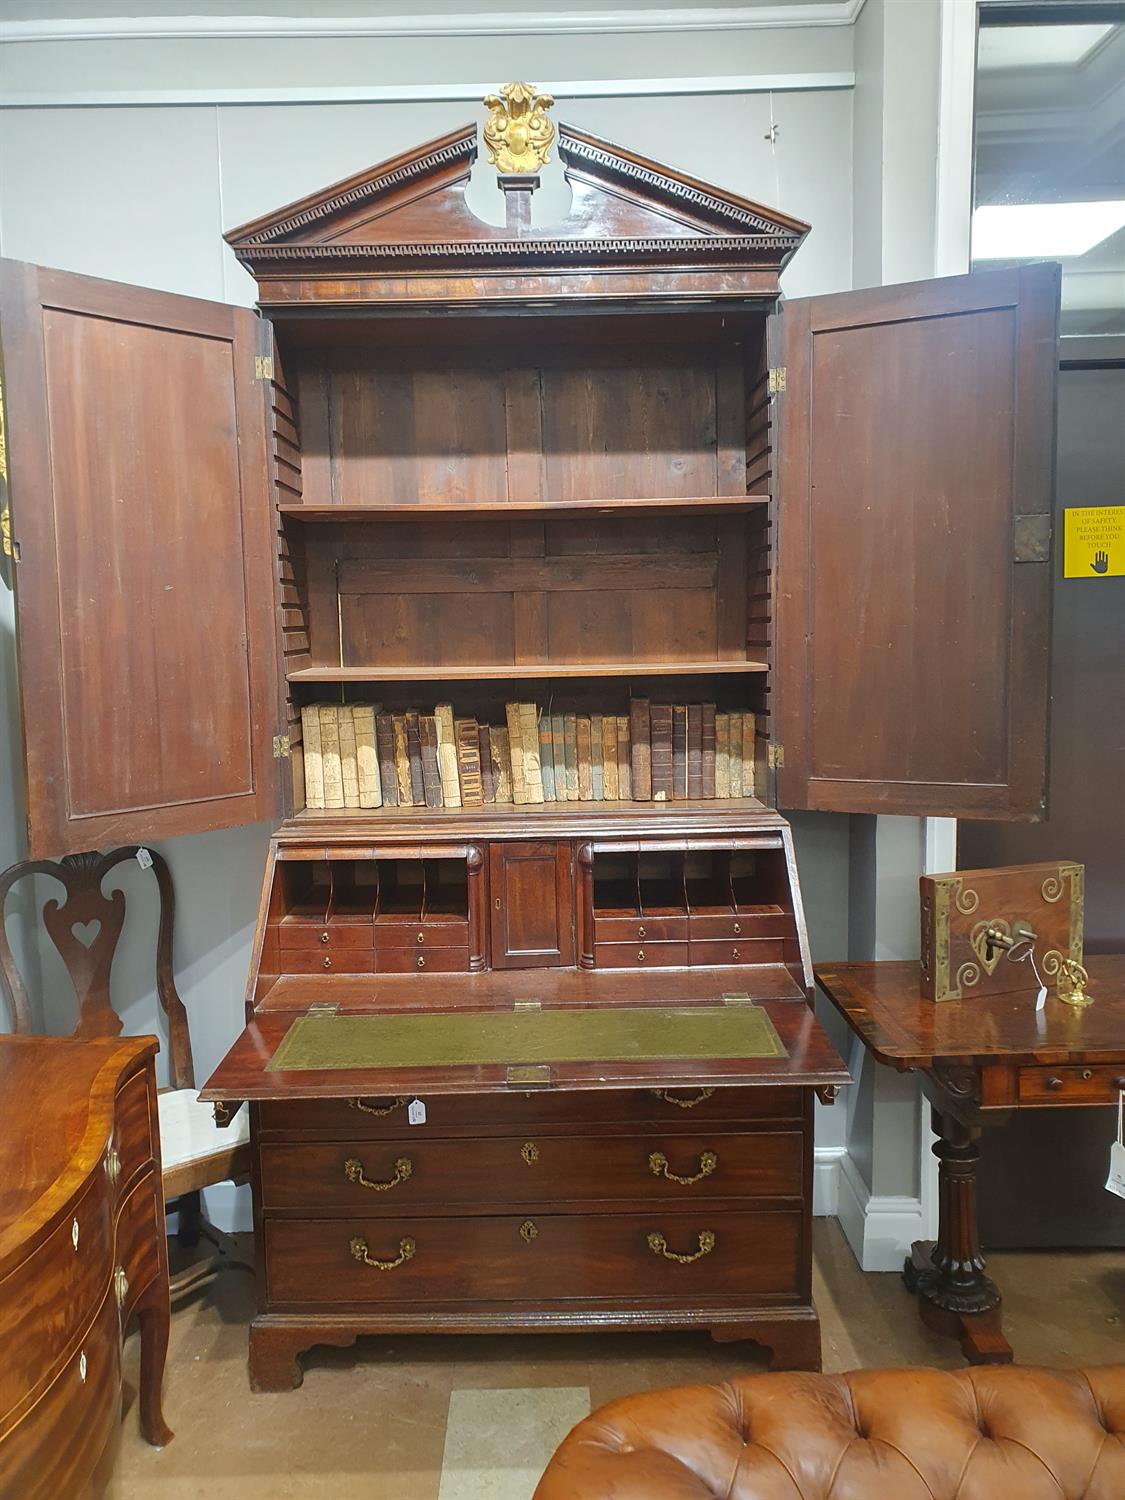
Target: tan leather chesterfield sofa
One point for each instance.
(988, 1433)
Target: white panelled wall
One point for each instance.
(127, 147)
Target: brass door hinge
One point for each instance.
(776, 757)
(8, 545)
(281, 747)
(263, 367)
(777, 379)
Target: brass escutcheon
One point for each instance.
(529, 1231)
(530, 1152)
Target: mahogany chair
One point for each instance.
(196, 1152)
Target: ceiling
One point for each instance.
(1050, 127)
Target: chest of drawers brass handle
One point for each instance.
(640, 934)
(327, 961)
(360, 1252)
(377, 1109)
(640, 955)
(738, 929)
(734, 953)
(323, 937)
(120, 1285)
(1054, 1083)
(421, 937)
(670, 1098)
(353, 1171)
(113, 1165)
(659, 1246)
(658, 1166)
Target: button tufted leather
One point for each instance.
(988, 1433)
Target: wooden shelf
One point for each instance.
(699, 814)
(730, 505)
(518, 671)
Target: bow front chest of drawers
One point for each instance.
(82, 1249)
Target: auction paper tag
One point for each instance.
(1094, 541)
(416, 1112)
(144, 859)
(1115, 1182)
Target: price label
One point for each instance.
(1115, 1182)
(144, 859)
(416, 1112)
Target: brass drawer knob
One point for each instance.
(353, 1171)
(113, 1166)
(658, 1166)
(421, 962)
(323, 937)
(421, 937)
(360, 1252)
(670, 1098)
(738, 929)
(659, 1246)
(120, 1286)
(1054, 1083)
(640, 934)
(82, 1367)
(377, 1109)
(734, 953)
(640, 955)
(74, 1234)
(326, 961)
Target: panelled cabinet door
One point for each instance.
(145, 607)
(913, 580)
(531, 889)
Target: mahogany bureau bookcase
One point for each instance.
(581, 465)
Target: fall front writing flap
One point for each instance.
(913, 586)
(145, 580)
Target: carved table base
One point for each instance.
(955, 1297)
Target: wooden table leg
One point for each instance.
(955, 1297)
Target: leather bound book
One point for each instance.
(610, 787)
(679, 752)
(447, 755)
(414, 752)
(695, 750)
(707, 749)
(660, 736)
(722, 755)
(558, 756)
(515, 743)
(570, 733)
(736, 755)
(501, 763)
(584, 742)
(349, 769)
(366, 757)
(547, 758)
(314, 767)
(749, 778)
(385, 746)
(402, 762)
(487, 769)
(640, 748)
(529, 739)
(624, 760)
(330, 756)
(468, 762)
(431, 774)
(597, 771)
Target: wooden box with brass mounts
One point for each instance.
(982, 930)
(582, 464)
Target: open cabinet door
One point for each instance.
(913, 580)
(144, 585)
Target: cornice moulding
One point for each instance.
(493, 23)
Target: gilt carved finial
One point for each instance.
(518, 132)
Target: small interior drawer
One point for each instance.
(426, 933)
(637, 955)
(640, 929)
(328, 936)
(421, 960)
(737, 951)
(329, 961)
(740, 924)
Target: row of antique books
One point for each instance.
(355, 755)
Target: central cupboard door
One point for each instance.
(913, 580)
(531, 893)
(145, 580)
